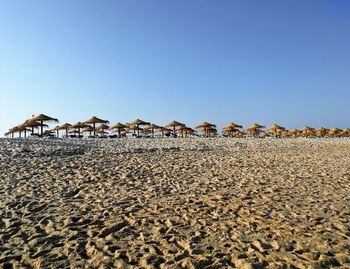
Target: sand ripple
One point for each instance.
(175, 203)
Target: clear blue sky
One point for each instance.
(272, 61)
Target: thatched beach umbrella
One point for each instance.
(185, 130)
(275, 127)
(79, 125)
(230, 131)
(321, 131)
(206, 126)
(295, 132)
(275, 130)
(33, 124)
(65, 127)
(56, 129)
(346, 132)
(17, 129)
(212, 131)
(137, 123)
(12, 131)
(164, 131)
(135, 128)
(255, 129)
(23, 128)
(153, 127)
(42, 118)
(232, 125)
(101, 129)
(88, 130)
(94, 120)
(119, 127)
(307, 130)
(174, 124)
(335, 132)
(256, 126)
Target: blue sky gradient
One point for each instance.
(272, 61)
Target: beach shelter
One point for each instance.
(119, 127)
(275, 130)
(174, 124)
(275, 127)
(206, 127)
(321, 131)
(164, 131)
(65, 127)
(135, 129)
(153, 127)
(88, 130)
(255, 129)
(232, 125)
(185, 131)
(56, 129)
(23, 128)
(307, 130)
(101, 129)
(79, 125)
(33, 125)
(256, 126)
(12, 131)
(230, 131)
(94, 120)
(137, 123)
(346, 132)
(335, 132)
(41, 118)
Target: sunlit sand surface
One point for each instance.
(175, 203)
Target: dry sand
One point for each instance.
(175, 203)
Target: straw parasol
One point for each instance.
(23, 128)
(346, 132)
(321, 131)
(79, 125)
(295, 132)
(206, 126)
(135, 128)
(95, 120)
(65, 126)
(101, 129)
(13, 130)
(56, 129)
(20, 128)
(184, 130)
(33, 124)
(153, 127)
(88, 129)
(174, 124)
(255, 129)
(119, 126)
(137, 123)
(42, 118)
(335, 131)
(275, 130)
(256, 126)
(164, 131)
(231, 131)
(307, 130)
(275, 127)
(232, 125)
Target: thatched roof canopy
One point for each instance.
(96, 120)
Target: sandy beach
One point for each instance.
(175, 203)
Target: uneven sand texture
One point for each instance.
(175, 203)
